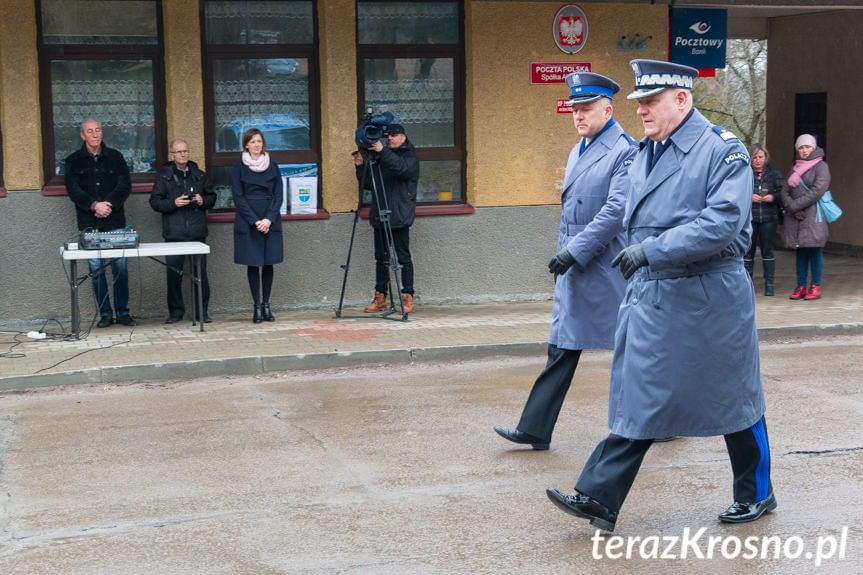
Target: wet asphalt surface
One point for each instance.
(396, 470)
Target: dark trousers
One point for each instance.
(402, 244)
(762, 233)
(549, 390)
(611, 469)
(176, 308)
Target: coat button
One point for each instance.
(634, 300)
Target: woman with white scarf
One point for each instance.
(257, 192)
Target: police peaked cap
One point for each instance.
(654, 76)
(587, 87)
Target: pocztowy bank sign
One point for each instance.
(698, 37)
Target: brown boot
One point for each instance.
(408, 302)
(378, 304)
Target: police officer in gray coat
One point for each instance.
(588, 290)
(686, 348)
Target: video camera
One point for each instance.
(372, 129)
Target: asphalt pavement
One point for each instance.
(315, 338)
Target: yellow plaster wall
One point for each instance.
(517, 142)
(338, 60)
(183, 83)
(19, 96)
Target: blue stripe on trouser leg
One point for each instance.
(762, 471)
(750, 461)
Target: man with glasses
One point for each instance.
(183, 194)
(97, 181)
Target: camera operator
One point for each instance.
(183, 194)
(397, 181)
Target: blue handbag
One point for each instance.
(829, 208)
(825, 208)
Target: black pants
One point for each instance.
(549, 390)
(611, 469)
(762, 233)
(402, 244)
(176, 308)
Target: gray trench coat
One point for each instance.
(686, 348)
(594, 196)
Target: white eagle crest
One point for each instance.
(570, 30)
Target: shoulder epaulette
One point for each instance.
(725, 134)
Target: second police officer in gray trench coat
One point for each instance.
(588, 290)
(686, 348)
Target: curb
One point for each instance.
(266, 364)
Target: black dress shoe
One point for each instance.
(105, 321)
(126, 320)
(265, 312)
(744, 512)
(256, 314)
(517, 436)
(584, 506)
(174, 319)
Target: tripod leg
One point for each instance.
(347, 265)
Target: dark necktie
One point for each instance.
(657, 151)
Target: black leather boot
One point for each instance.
(265, 311)
(256, 316)
(749, 265)
(769, 269)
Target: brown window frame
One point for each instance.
(312, 155)
(457, 53)
(142, 182)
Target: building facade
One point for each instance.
(458, 74)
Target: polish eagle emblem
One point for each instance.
(571, 30)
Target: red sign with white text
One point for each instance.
(555, 72)
(563, 106)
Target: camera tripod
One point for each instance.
(380, 203)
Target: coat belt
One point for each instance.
(693, 269)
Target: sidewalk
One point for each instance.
(314, 339)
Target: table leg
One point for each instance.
(200, 289)
(73, 287)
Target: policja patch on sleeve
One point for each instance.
(736, 156)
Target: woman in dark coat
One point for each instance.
(257, 191)
(805, 229)
(765, 214)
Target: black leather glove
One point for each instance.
(561, 262)
(630, 259)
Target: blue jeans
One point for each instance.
(120, 272)
(807, 257)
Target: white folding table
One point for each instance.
(152, 251)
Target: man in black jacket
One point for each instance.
(97, 181)
(183, 194)
(399, 175)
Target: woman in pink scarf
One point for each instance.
(803, 231)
